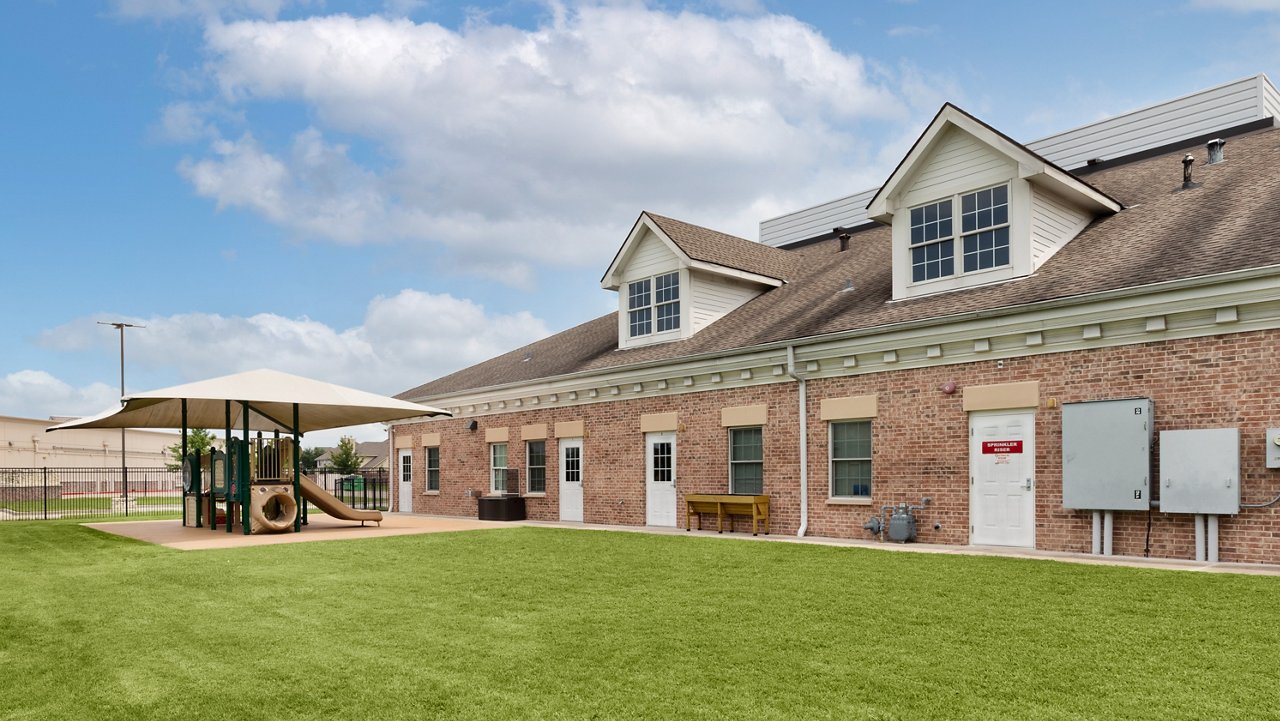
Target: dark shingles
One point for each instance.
(1230, 222)
(730, 251)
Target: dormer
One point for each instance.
(674, 279)
(970, 206)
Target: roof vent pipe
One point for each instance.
(1215, 150)
(1186, 171)
(843, 234)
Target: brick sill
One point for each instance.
(535, 495)
(431, 493)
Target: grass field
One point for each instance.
(544, 623)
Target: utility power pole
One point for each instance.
(124, 469)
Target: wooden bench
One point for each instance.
(757, 507)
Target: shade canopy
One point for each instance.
(271, 396)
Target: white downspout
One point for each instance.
(393, 469)
(804, 441)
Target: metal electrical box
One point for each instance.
(1200, 471)
(1273, 448)
(1106, 455)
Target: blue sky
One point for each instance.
(378, 193)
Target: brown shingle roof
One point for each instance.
(1230, 222)
(730, 251)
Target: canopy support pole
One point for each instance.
(196, 476)
(301, 516)
(226, 464)
(244, 475)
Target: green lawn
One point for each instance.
(556, 624)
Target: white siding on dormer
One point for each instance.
(650, 257)
(713, 297)
(1053, 224)
(958, 162)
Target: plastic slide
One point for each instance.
(330, 504)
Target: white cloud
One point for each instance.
(37, 394)
(516, 147)
(184, 123)
(405, 339)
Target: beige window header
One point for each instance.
(654, 422)
(430, 439)
(534, 432)
(403, 441)
(848, 408)
(744, 416)
(569, 429)
(1002, 396)
(495, 435)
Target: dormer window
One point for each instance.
(932, 244)
(984, 220)
(658, 297)
(984, 240)
(673, 279)
(971, 207)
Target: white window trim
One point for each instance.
(957, 236)
(831, 460)
(493, 468)
(732, 462)
(426, 470)
(528, 466)
(681, 292)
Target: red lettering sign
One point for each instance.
(997, 447)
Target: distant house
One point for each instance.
(1005, 329)
(372, 453)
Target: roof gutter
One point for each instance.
(804, 440)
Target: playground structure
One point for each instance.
(266, 499)
(256, 484)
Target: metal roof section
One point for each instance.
(1207, 111)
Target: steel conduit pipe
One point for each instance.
(1108, 526)
(1097, 532)
(1200, 537)
(1211, 536)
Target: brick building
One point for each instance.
(921, 339)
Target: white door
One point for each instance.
(660, 479)
(571, 479)
(1002, 461)
(405, 489)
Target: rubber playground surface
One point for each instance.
(320, 527)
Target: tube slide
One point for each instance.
(330, 504)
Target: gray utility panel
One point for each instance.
(1106, 455)
(1200, 471)
(1273, 448)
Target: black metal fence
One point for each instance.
(44, 493)
(367, 489)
